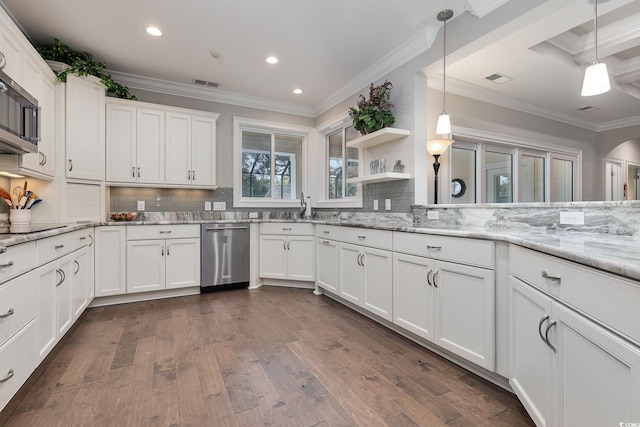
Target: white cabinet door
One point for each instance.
(530, 357)
(80, 277)
(31, 83)
(121, 143)
(150, 146)
(378, 279)
(85, 129)
(351, 273)
(203, 150)
(64, 288)
(182, 263)
(273, 257)
(327, 263)
(465, 312)
(145, 265)
(12, 52)
(300, 265)
(110, 261)
(597, 373)
(47, 277)
(178, 149)
(413, 294)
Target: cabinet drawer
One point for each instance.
(82, 238)
(53, 247)
(609, 299)
(17, 305)
(146, 232)
(17, 259)
(17, 362)
(366, 237)
(287, 228)
(327, 231)
(455, 249)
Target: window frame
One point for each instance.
(241, 124)
(322, 163)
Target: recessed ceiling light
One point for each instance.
(154, 31)
(297, 91)
(272, 60)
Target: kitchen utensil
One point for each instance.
(35, 202)
(6, 196)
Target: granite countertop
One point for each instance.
(611, 253)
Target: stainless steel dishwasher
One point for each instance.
(224, 256)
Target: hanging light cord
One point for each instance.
(595, 31)
(444, 69)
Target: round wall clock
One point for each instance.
(458, 187)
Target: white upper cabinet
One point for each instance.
(155, 144)
(12, 52)
(85, 128)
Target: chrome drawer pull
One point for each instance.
(286, 228)
(165, 232)
(435, 274)
(8, 264)
(8, 377)
(83, 238)
(544, 319)
(361, 237)
(434, 248)
(325, 231)
(429, 277)
(552, 278)
(7, 314)
(56, 247)
(326, 242)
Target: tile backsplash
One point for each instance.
(125, 199)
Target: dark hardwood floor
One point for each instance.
(270, 356)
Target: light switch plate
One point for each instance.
(140, 205)
(219, 206)
(387, 204)
(375, 205)
(433, 214)
(207, 206)
(573, 218)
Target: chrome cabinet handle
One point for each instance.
(9, 374)
(188, 175)
(429, 277)
(7, 314)
(434, 248)
(326, 242)
(193, 175)
(542, 320)
(358, 259)
(162, 251)
(90, 237)
(284, 245)
(62, 277)
(362, 259)
(78, 267)
(3, 249)
(83, 238)
(226, 228)
(435, 274)
(325, 231)
(133, 171)
(165, 231)
(286, 228)
(8, 264)
(546, 336)
(362, 237)
(289, 245)
(70, 165)
(43, 158)
(56, 247)
(168, 250)
(551, 278)
(138, 172)
(3, 61)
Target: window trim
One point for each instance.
(246, 124)
(322, 161)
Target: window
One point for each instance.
(271, 163)
(338, 156)
(484, 168)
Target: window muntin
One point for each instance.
(532, 178)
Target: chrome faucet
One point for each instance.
(303, 204)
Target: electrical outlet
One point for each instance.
(432, 214)
(140, 205)
(387, 204)
(375, 205)
(253, 215)
(219, 206)
(207, 206)
(573, 218)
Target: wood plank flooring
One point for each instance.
(265, 357)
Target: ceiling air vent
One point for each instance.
(588, 108)
(498, 78)
(205, 83)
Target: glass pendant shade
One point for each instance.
(437, 147)
(596, 79)
(444, 124)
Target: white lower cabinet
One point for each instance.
(156, 262)
(287, 251)
(17, 362)
(110, 261)
(566, 369)
(449, 304)
(366, 278)
(327, 257)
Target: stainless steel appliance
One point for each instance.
(19, 117)
(224, 256)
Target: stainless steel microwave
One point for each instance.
(19, 118)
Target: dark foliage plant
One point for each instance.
(374, 113)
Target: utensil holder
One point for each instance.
(20, 216)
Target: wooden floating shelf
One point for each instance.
(378, 177)
(378, 137)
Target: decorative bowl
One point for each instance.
(123, 216)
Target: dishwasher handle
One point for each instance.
(226, 228)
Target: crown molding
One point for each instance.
(485, 95)
(418, 44)
(481, 8)
(214, 95)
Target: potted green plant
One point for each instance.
(82, 64)
(370, 115)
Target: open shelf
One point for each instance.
(378, 137)
(379, 177)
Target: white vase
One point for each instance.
(20, 216)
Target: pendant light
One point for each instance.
(596, 77)
(437, 147)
